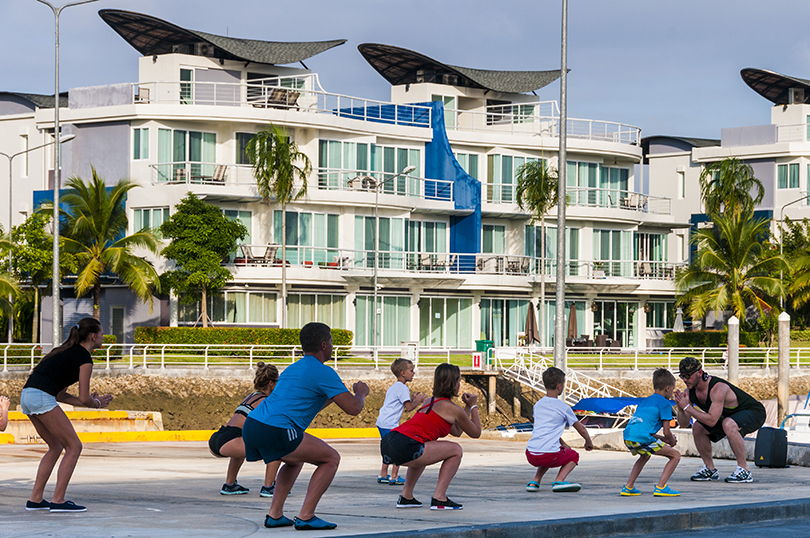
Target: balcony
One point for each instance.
(294, 94)
(504, 193)
(334, 179)
(197, 173)
(539, 118)
(352, 261)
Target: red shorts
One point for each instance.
(553, 459)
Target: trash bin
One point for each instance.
(484, 346)
(409, 351)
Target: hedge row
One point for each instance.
(236, 336)
(800, 335)
(707, 339)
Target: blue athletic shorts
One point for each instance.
(268, 443)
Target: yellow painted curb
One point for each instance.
(345, 433)
(6, 439)
(78, 415)
(144, 437)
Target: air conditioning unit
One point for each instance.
(420, 75)
(180, 49)
(450, 80)
(796, 96)
(204, 49)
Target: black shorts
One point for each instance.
(222, 436)
(749, 421)
(269, 443)
(399, 449)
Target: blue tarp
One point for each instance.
(605, 405)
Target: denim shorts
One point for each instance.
(36, 402)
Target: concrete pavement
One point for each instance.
(171, 488)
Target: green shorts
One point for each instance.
(644, 449)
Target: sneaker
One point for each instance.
(666, 491)
(67, 506)
(740, 476)
(408, 503)
(41, 505)
(631, 492)
(267, 491)
(398, 481)
(565, 487)
(383, 479)
(313, 524)
(533, 486)
(283, 521)
(705, 474)
(233, 489)
(444, 505)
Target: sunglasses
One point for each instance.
(686, 376)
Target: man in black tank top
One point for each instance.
(719, 410)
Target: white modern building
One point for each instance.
(457, 259)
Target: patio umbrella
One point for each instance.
(678, 327)
(532, 334)
(572, 321)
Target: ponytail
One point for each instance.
(78, 334)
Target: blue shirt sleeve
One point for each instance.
(330, 383)
(665, 409)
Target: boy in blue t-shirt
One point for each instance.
(641, 437)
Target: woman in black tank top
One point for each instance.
(227, 441)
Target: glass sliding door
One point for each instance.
(502, 319)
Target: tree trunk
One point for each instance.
(204, 306)
(543, 331)
(97, 302)
(283, 266)
(35, 325)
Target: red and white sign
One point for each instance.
(477, 360)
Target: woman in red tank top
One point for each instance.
(415, 444)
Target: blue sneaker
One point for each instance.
(630, 492)
(399, 481)
(565, 487)
(666, 491)
(283, 521)
(313, 524)
(383, 479)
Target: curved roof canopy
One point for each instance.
(39, 100)
(402, 66)
(773, 86)
(150, 35)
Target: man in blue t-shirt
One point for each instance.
(641, 435)
(275, 429)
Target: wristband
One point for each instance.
(98, 402)
(473, 407)
(687, 407)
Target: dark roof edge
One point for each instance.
(691, 141)
(41, 100)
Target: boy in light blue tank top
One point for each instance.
(641, 435)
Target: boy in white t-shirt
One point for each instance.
(397, 399)
(546, 449)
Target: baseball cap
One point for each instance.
(689, 366)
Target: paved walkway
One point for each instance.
(170, 488)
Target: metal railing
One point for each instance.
(799, 132)
(197, 173)
(365, 181)
(294, 94)
(618, 199)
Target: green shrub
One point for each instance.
(236, 336)
(19, 354)
(800, 335)
(707, 339)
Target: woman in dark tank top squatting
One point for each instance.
(227, 441)
(46, 386)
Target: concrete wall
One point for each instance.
(94, 96)
(11, 104)
(106, 146)
(748, 136)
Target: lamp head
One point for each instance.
(408, 169)
(67, 138)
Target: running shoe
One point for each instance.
(631, 492)
(67, 506)
(313, 524)
(398, 481)
(444, 505)
(267, 491)
(666, 491)
(233, 489)
(383, 479)
(740, 476)
(283, 521)
(565, 487)
(408, 503)
(41, 505)
(705, 474)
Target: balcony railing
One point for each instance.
(442, 262)
(541, 118)
(283, 93)
(793, 133)
(363, 180)
(196, 173)
(504, 193)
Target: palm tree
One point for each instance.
(95, 231)
(537, 191)
(279, 166)
(8, 285)
(731, 270)
(726, 187)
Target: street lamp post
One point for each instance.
(10, 223)
(377, 187)
(781, 242)
(57, 164)
(559, 325)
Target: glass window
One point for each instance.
(312, 238)
(394, 321)
(186, 86)
(140, 143)
(494, 239)
(681, 185)
(242, 140)
(502, 319)
(660, 315)
(469, 162)
(613, 252)
(445, 322)
(150, 218)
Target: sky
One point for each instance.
(670, 68)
